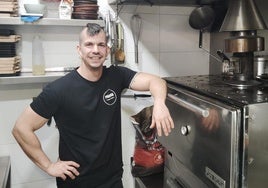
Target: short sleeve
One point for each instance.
(46, 103)
(128, 75)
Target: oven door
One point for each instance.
(205, 140)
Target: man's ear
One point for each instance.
(108, 50)
(78, 50)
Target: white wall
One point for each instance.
(168, 47)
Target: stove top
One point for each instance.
(215, 86)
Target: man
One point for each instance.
(86, 107)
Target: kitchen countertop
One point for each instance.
(215, 86)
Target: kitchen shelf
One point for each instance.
(49, 22)
(28, 78)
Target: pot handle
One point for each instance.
(200, 38)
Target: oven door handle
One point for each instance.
(189, 106)
(174, 183)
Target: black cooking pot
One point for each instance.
(202, 18)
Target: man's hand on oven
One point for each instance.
(161, 119)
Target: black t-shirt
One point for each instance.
(88, 117)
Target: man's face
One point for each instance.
(93, 49)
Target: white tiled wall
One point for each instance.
(168, 47)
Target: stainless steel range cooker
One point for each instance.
(220, 137)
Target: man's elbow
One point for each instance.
(17, 131)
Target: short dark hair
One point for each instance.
(93, 29)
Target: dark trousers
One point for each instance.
(113, 182)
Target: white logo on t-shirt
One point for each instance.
(109, 97)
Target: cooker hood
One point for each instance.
(242, 21)
(166, 2)
(242, 15)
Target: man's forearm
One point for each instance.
(32, 148)
(158, 89)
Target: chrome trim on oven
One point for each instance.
(189, 106)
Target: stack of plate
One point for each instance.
(7, 49)
(85, 9)
(9, 61)
(9, 8)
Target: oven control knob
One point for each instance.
(185, 130)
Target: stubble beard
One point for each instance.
(93, 64)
